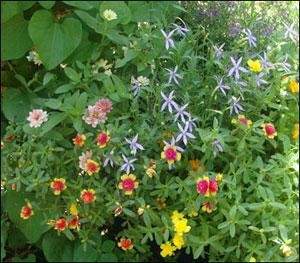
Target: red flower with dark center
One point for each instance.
(170, 154)
(125, 244)
(26, 211)
(74, 223)
(58, 185)
(128, 184)
(88, 196)
(60, 224)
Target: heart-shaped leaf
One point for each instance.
(54, 41)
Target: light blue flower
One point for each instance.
(236, 68)
(134, 145)
(184, 134)
(168, 101)
(128, 164)
(169, 43)
(173, 75)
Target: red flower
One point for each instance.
(91, 167)
(102, 139)
(128, 183)
(58, 185)
(79, 140)
(26, 211)
(125, 244)
(269, 130)
(207, 187)
(74, 223)
(88, 196)
(60, 224)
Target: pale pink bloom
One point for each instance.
(94, 116)
(83, 158)
(104, 105)
(36, 118)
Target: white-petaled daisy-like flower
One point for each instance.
(134, 145)
(109, 15)
(138, 84)
(37, 117)
(169, 43)
(168, 101)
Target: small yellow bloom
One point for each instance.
(252, 259)
(254, 65)
(286, 250)
(167, 249)
(109, 15)
(73, 209)
(176, 216)
(178, 241)
(192, 213)
(294, 86)
(219, 178)
(181, 226)
(295, 132)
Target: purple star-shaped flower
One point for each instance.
(184, 134)
(218, 51)
(250, 37)
(221, 86)
(236, 68)
(128, 164)
(168, 101)
(191, 123)
(108, 159)
(168, 40)
(259, 79)
(235, 106)
(180, 112)
(134, 145)
(173, 75)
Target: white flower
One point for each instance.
(37, 117)
(143, 81)
(34, 56)
(109, 15)
(168, 40)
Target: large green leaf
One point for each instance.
(54, 41)
(87, 254)
(15, 105)
(12, 8)
(15, 41)
(57, 248)
(33, 227)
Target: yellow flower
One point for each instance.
(192, 213)
(219, 178)
(294, 86)
(252, 259)
(295, 132)
(254, 65)
(167, 249)
(178, 241)
(181, 226)
(286, 250)
(109, 15)
(176, 216)
(73, 209)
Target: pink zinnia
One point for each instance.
(104, 105)
(36, 118)
(94, 116)
(83, 159)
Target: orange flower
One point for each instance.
(79, 140)
(269, 130)
(170, 154)
(74, 223)
(195, 165)
(60, 224)
(26, 211)
(58, 185)
(88, 196)
(128, 183)
(102, 139)
(125, 244)
(91, 167)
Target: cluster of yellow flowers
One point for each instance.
(181, 227)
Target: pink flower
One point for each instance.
(36, 118)
(83, 159)
(104, 105)
(94, 116)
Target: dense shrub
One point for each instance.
(149, 131)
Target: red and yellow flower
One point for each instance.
(207, 187)
(170, 154)
(125, 244)
(241, 119)
(88, 196)
(91, 167)
(58, 185)
(74, 223)
(128, 183)
(102, 139)
(60, 224)
(79, 140)
(269, 130)
(208, 207)
(26, 211)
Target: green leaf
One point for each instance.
(129, 55)
(64, 88)
(88, 19)
(85, 5)
(147, 219)
(198, 251)
(53, 103)
(84, 253)
(108, 246)
(72, 74)
(48, 77)
(117, 38)
(120, 8)
(15, 41)
(129, 212)
(33, 227)
(107, 257)
(53, 120)
(232, 230)
(15, 105)
(54, 41)
(47, 4)
(57, 248)
(140, 11)
(223, 225)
